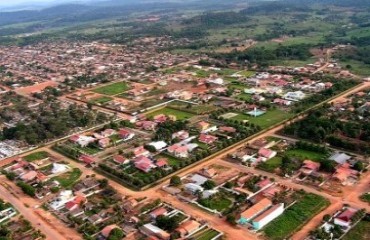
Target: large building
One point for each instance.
(267, 216)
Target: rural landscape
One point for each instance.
(199, 120)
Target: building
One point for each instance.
(188, 227)
(266, 153)
(294, 96)
(158, 212)
(340, 158)
(344, 218)
(207, 139)
(182, 135)
(193, 188)
(309, 167)
(159, 145)
(152, 230)
(267, 216)
(255, 210)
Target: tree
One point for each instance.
(166, 223)
(175, 181)
(116, 234)
(230, 218)
(150, 148)
(359, 166)
(209, 184)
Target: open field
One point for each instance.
(180, 115)
(270, 118)
(112, 89)
(36, 156)
(67, 179)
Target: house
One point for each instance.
(344, 219)
(227, 129)
(144, 164)
(130, 204)
(107, 230)
(217, 81)
(162, 162)
(152, 230)
(82, 140)
(208, 172)
(340, 158)
(29, 176)
(125, 134)
(95, 219)
(141, 151)
(63, 197)
(193, 188)
(87, 159)
(158, 212)
(345, 175)
(263, 183)
(75, 203)
(181, 152)
(202, 125)
(119, 159)
(108, 132)
(294, 96)
(182, 135)
(282, 102)
(255, 210)
(267, 153)
(159, 145)
(207, 139)
(267, 216)
(188, 227)
(160, 118)
(104, 142)
(309, 167)
(147, 125)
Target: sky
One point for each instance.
(28, 2)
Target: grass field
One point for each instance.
(101, 100)
(219, 203)
(360, 232)
(67, 179)
(172, 161)
(304, 154)
(365, 197)
(112, 89)
(180, 115)
(268, 119)
(296, 216)
(36, 156)
(271, 164)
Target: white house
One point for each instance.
(267, 216)
(193, 188)
(294, 96)
(61, 200)
(158, 145)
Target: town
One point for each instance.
(130, 140)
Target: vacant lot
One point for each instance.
(296, 216)
(304, 154)
(268, 119)
(112, 89)
(67, 179)
(180, 115)
(101, 100)
(36, 156)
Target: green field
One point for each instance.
(295, 216)
(101, 100)
(180, 115)
(271, 164)
(172, 161)
(305, 154)
(360, 232)
(67, 179)
(36, 156)
(365, 197)
(112, 89)
(219, 203)
(268, 119)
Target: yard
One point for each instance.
(360, 232)
(112, 89)
(172, 161)
(205, 234)
(266, 120)
(295, 216)
(216, 202)
(67, 179)
(180, 115)
(36, 156)
(271, 164)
